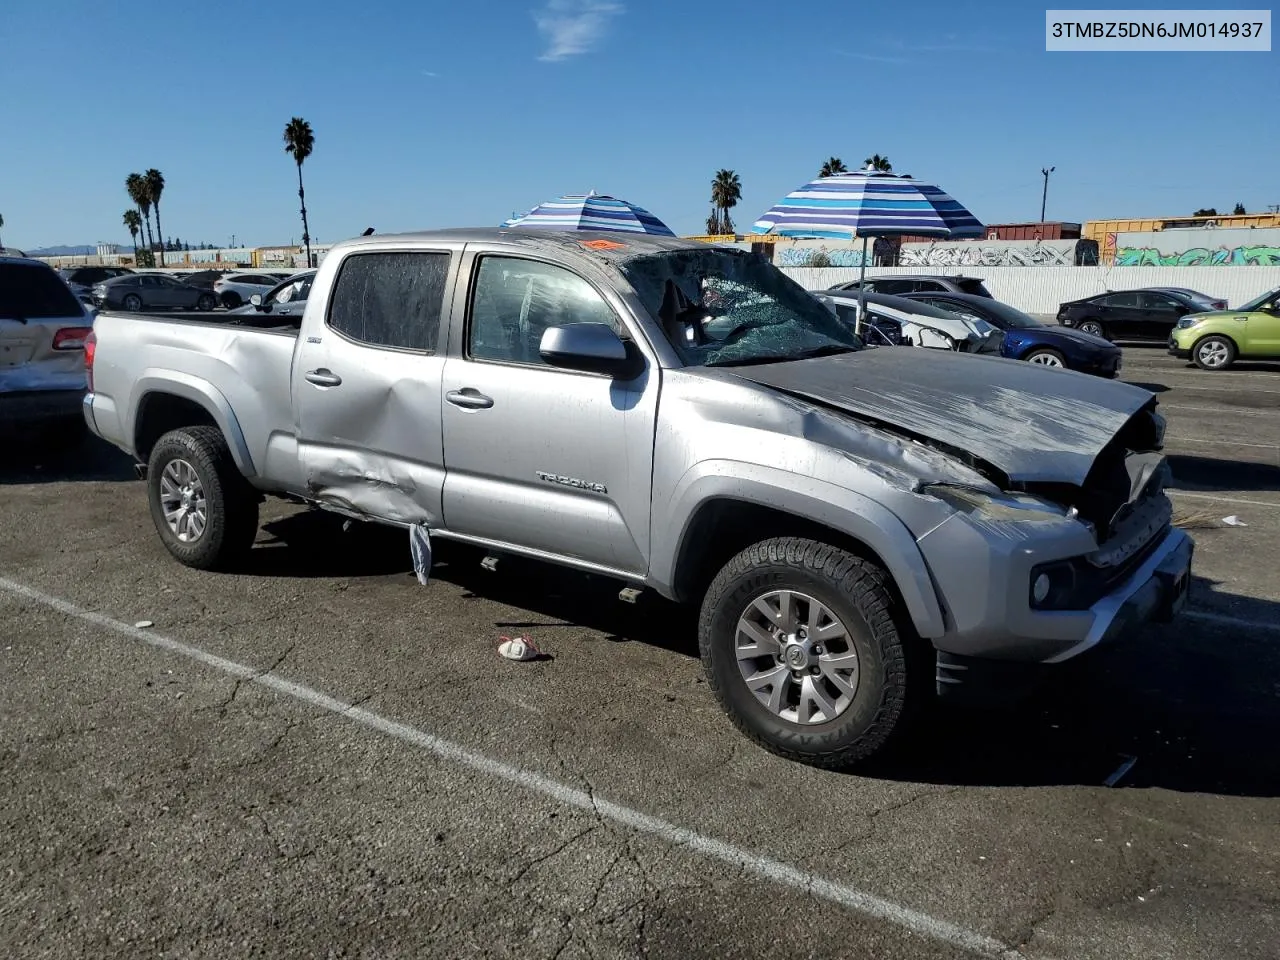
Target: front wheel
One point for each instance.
(203, 508)
(802, 649)
(206, 303)
(1046, 358)
(1092, 326)
(1213, 353)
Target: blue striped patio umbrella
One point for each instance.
(868, 203)
(592, 211)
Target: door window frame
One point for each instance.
(461, 349)
(446, 303)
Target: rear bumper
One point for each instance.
(35, 407)
(1156, 592)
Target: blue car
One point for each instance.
(1026, 338)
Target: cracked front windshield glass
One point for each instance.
(721, 307)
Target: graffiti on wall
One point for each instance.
(1250, 256)
(982, 255)
(819, 257)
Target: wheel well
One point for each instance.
(723, 528)
(1221, 336)
(158, 413)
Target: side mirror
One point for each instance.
(256, 299)
(591, 348)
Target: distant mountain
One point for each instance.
(64, 251)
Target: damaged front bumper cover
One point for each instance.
(1156, 592)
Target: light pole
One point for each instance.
(1044, 197)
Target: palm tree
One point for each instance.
(136, 186)
(726, 191)
(832, 167)
(877, 162)
(133, 220)
(299, 141)
(155, 186)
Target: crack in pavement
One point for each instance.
(555, 852)
(873, 817)
(241, 681)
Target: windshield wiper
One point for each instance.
(830, 349)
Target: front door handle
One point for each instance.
(323, 377)
(469, 398)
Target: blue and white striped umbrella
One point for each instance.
(868, 203)
(592, 211)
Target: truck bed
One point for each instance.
(218, 365)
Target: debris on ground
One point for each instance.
(1125, 766)
(519, 648)
(1234, 521)
(420, 549)
(143, 624)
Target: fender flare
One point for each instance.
(841, 509)
(200, 392)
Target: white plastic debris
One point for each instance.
(420, 548)
(520, 648)
(1234, 521)
(143, 624)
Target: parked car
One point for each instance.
(897, 321)
(1195, 297)
(82, 280)
(235, 289)
(204, 279)
(285, 300)
(43, 328)
(860, 528)
(899, 284)
(151, 291)
(1145, 314)
(1214, 341)
(1026, 338)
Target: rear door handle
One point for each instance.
(469, 398)
(323, 377)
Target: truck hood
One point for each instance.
(1034, 424)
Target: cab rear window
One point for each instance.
(31, 292)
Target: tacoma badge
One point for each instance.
(571, 482)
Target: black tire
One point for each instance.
(207, 303)
(1047, 357)
(1093, 325)
(231, 300)
(132, 302)
(231, 504)
(1212, 359)
(889, 691)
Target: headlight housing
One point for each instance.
(1191, 321)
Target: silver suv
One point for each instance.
(43, 328)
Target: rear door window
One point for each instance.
(927, 286)
(29, 292)
(390, 299)
(890, 286)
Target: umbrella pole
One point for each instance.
(862, 290)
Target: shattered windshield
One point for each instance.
(721, 307)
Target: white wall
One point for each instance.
(1042, 289)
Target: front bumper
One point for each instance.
(1177, 350)
(998, 647)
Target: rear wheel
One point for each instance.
(1092, 326)
(801, 646)
(132, 302)
(1213, 353)
(1046, 358)
(231, 300)
(203, 508)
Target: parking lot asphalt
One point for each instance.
(320, 757)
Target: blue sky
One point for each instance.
(431, 114)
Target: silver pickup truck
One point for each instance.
(863, 528)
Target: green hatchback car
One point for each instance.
(1214, 341)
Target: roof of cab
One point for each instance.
(614, 246)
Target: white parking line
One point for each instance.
(1232, 411)
(814, 885)
(1218, 499)
(1225, 443)
(1225, 620)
